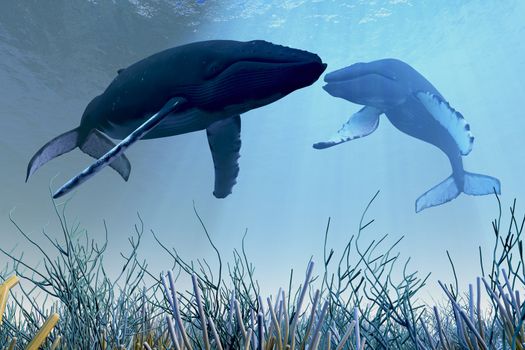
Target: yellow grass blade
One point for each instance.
(43, 332)
(56, 343)
(4, 292)
(12, 344)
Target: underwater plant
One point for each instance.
(365, 296)
(42, 333)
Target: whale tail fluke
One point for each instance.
(473, 184)
(95, 145)
(61, 144)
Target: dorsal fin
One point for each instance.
(450, 119)
(121, 70)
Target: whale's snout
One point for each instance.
(367, 84)
(334, 89)
(260, 73)
(344, 74)
(280, 69)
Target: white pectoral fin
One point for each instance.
(360, 124)
(450, 119)
(171, 106)
(224, 138)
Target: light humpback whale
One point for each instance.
(199, 86)
(416, 108)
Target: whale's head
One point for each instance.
(224, 77)
(251, 74)
(382, 84)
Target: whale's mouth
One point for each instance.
(341, 82)
(360, 71)
(376, 90)
(339, 77)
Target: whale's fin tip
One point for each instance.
(450, 119)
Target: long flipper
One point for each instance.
(224, 138)
(361, 123)
(450, 119)
(172, 105)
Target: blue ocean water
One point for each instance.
(53, 61)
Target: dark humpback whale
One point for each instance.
(416, 108)
(199, 86)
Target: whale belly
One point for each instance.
(413, 119)
(187, 121)
(184, 122)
